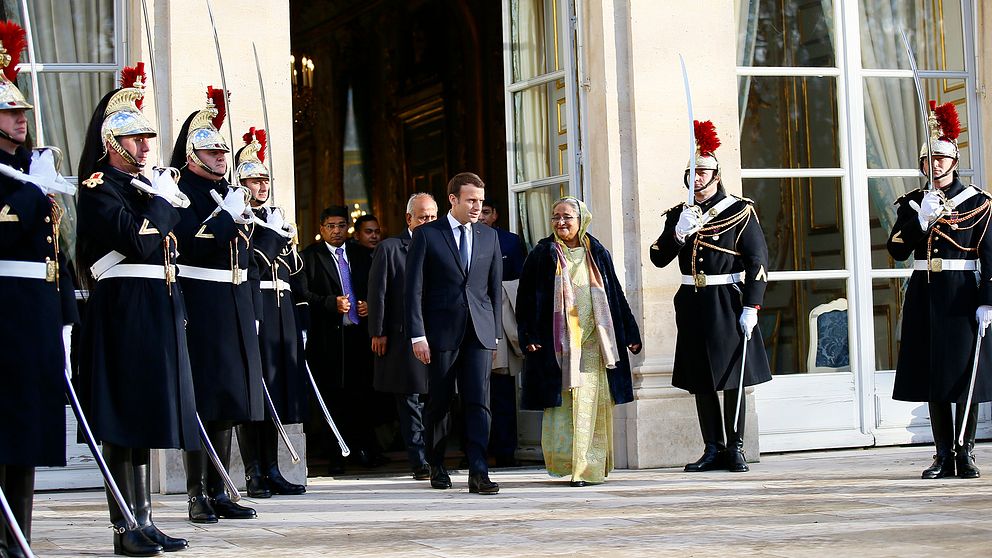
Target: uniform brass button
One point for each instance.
(700, 259)
(934, 250)
(48, 219)
(49, 239)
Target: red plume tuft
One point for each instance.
(260, 136)
(947, 116)
(706, 138)
(130, 75)
(14, 40)
(217, 95)
(933, 105)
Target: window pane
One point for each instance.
(882, 193)
(804, 326)
(934, 30)
(785, 33)
(534, 36)
(541, 138)
(888, 296)
(534, 211)
(802, 221)
(67, 103)
(788, 122)
(69, 31)
(893, 121)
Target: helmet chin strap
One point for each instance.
(6, 136)
(715, 177)
(202, 165)
(949, 171)
(128, 157)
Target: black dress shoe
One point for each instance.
(736, 462)
(966, 464)
(439, 478)
(713, 458)
(422, 473)
(279, 485)
(168, 544)
(578, 484)
(257, 486)
(943, 466)
(200, 510)
(228, 509)
(129, 542)
(479, 483)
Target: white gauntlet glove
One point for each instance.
(165, 185)
(690, 221)
(235, 204)
(45, 172)
(929, 209)
(984, 317)
(277, 222)
(749, 319)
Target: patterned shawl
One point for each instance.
(567, 329)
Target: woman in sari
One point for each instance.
(573, 321)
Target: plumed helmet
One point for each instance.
(251, 157)
(706, 144)
(944, 127)
(123, 116)
(204, 129)
(13, 40)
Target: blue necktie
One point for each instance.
(463, 247)
(346, 285)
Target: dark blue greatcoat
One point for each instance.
(535, 310)
(32, 313)
(223, 343)
(134, 357)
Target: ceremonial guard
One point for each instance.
(723, 259)
(37, 302)
(214, 235)
(276, 258)
(134, 357)
(948, 305)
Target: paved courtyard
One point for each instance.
(842, 503)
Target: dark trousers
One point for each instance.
(712, 424)
(410, 411)
(503, 439)
(469, 368)
(18, 486)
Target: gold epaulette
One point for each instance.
(906, 195)
(94, 180)
(748, 201)
(671, 209)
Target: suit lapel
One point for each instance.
(325, 257)
(449, 236)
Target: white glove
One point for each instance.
(690, 221)
(67, 347)
(277, 222)
(984, 317)
(165, 185)
(46, 175)
(235, 204)
(930, 208)
(749, 319)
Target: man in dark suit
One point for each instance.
(453, 293)
(335, 286)
(397, 371)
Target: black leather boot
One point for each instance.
(269, 446)
(711, 426)
(965, 453)
(143, 504)
(196, 485)
(127, 542)
(248, 443)
(943, 436)
(223, 506)
(18, 486)
(736, 460)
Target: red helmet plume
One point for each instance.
(14, 41)
(217, 96)
(947, 117)
(130, 75)
(706, 139)
(259, 135)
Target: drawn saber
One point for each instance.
(922, 101)
(13, 527)
(160, 102)
(691, 176)
(265, 121)
(323, 407)
(740, 384)
(279, 427)
(232, 489)
(971, 384)
(223, 78)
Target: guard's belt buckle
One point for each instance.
(936, 265)
(236, 277)
(50, 271)
(700, 279)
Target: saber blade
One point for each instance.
(13, 527)
(922, 101)
(327, 414)
(691, 177)
(232, 489)
(279, 426)
(223, 78)
(265, 121)
(971, 385)
(740, 385)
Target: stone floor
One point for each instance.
(842, 503)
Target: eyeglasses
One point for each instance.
(333, 226)
(562, 219)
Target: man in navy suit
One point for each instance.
(454, 296)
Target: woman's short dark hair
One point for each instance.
(463, 178)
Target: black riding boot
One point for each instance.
(965, 453)
(736, 461)
(127, 542)
(200, 510)
(18, 486)
(711, 426)
(943, 438)
(269, 446)
(248, 442)
(143, 503)
(220, 437)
